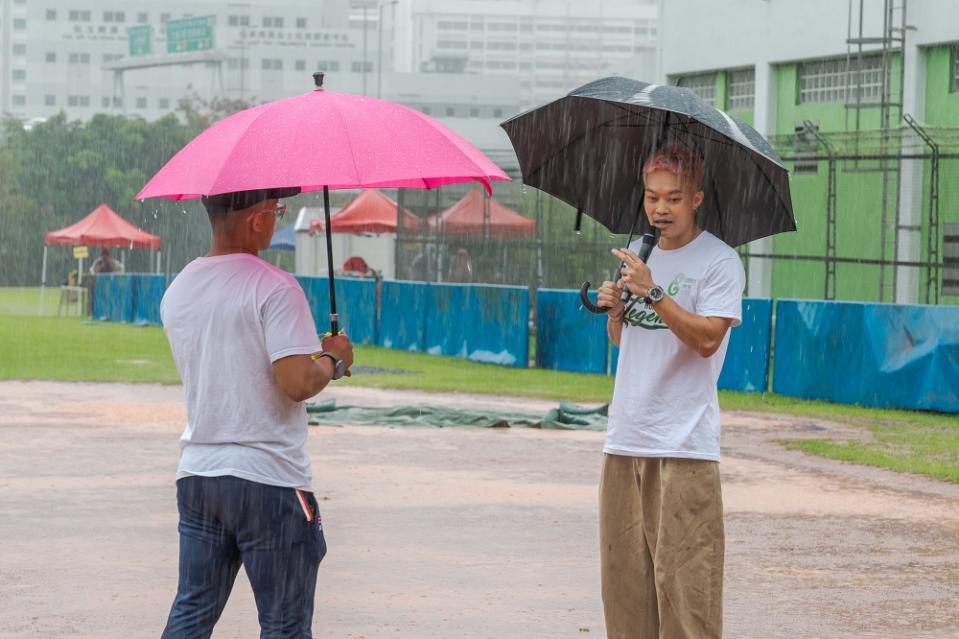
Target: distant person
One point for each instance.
(356, 265)
(105, 264)
(460, 268)
(662, 541)
(246, 348)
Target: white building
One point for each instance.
(552, 45)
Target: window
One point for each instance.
(703, 85)
(74, 16)
(19, 75)
(49, 100)
(807, 146)
(19, 49)
(328, 65)
(450, 111)
(741, 89)
(143, 17)
(19, 100)
(73, 100)
(300, 65)
(164, 17)
(272, 22)
(950, 258)
(426, 110)
(85, 16)
(84, 100)
(105, 102)
(51, 14)
(50, 57)
(233, 21)
(474, 112)
(141, 103)
(955, 68)
(497, 113)
(301, 23)
(163, 103)
(831, 81)
(358, 67)
(19, 24)
(274, 64)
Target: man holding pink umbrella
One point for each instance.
(246, 348)
(245, 342)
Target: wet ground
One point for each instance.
(460, 533)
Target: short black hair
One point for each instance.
(223, 203)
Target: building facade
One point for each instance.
(470, 64)
(875, 221)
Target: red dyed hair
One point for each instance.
(678, 159)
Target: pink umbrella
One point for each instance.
(322, 140)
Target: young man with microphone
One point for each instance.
(662, 543)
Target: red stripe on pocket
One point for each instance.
(304, 504)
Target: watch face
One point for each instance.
(656, 293)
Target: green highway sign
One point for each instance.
(189, 34)
(141, 40)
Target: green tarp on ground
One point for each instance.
(566, 417)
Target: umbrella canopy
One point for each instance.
(369, 212)
(103, 227)
(589, 147)
(284, 239)
(322, 139)
(470, 216)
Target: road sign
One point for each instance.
(141, 40)
(189, 34)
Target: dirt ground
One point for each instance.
(460, 533)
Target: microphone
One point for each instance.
(649, 241)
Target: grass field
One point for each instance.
(48, 347)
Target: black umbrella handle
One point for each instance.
(588, 303)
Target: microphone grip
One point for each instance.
(649, 241)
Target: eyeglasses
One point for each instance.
(279, 211)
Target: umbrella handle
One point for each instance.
(588, 303)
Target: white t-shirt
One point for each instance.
(665, 402)
(227, 318)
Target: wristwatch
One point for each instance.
(338, 367)
(654, 295)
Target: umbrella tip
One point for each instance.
(318, 79)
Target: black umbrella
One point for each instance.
(588, 149)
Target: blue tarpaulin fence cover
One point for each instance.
(355, 305)
(482, 323)
(568, 338)
(881, 355)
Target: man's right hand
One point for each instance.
(341, 348)
(609, 295)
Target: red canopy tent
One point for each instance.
(369, 212)
(474, 214)
(103, 227)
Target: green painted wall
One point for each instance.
(858, 204)
(941, 110)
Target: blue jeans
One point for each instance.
(227, 521)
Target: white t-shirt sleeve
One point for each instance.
(288, 324)
(721, 293)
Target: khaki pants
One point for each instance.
(661, 548)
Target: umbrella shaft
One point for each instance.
(334, 323)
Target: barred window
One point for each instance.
(955, 68)
(741, 89)
(825, 80)
(703, 85)
(950, 258)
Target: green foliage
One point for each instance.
(57, 171)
